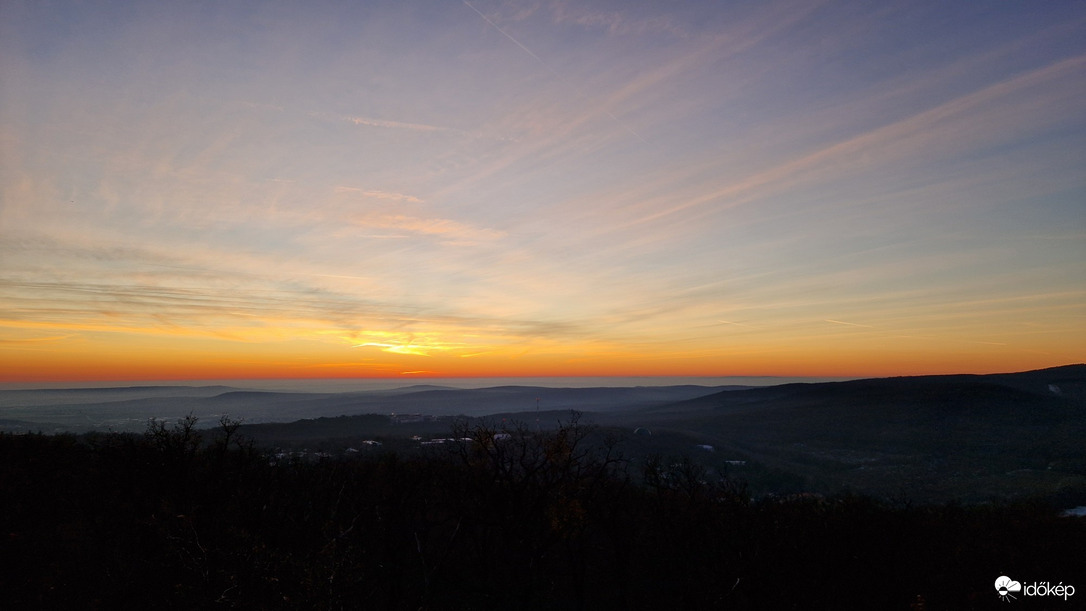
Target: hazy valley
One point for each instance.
(929, 438)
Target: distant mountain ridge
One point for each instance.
(129, 408)
(1067, 381)
(924, 434)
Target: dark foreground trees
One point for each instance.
(500, 519)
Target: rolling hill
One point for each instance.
(924, 437)
(965, 437)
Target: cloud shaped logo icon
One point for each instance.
(1005, 585)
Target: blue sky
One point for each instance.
(541, 188)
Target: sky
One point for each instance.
(195, 190)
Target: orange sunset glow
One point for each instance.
(487, 189)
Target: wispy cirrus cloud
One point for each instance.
(590, 120)
(850, 324)
(418, 127)
(961, 123)
(448, 229)
(84, 286)
(389, 124)
(379, 195)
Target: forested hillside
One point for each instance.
(180, 519)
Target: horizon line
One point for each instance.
(182, 381)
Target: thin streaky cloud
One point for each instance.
(397, 125)
(364, 278)
(408, 126)
(888, 140)
(895, 92)
(951, 340)
(615, 22)
(384, 123)
(652, 81)
(580, 93)
(37, 340)
(851, 324)
(428, 226)
(383, 195)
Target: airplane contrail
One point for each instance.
(551, 70)
(514, 40)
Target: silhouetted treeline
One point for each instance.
(178, 518)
